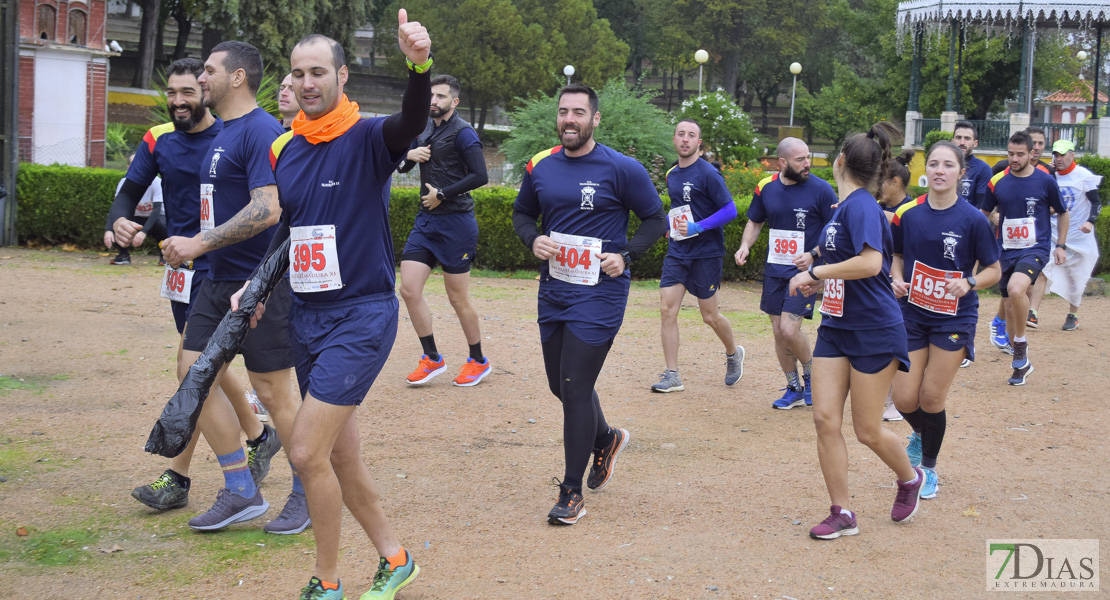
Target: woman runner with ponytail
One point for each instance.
(861, 341)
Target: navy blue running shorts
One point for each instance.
(868, 350)
(266, 347)
(957, 337)
(700, 276)
(776, 298)
(1029, 263)
(450, 240)
(181, 309)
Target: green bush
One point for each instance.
(1101, 166)
(492, 138)
(726, 130)
(935, 136)
(64, 205)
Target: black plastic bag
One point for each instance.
(175, 427)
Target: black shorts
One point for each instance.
(1030, 263)
(181, 309)
(266, 348)
(450, 240)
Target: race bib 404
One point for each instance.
(577, 261)
(313, 259)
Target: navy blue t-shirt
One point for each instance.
(1021, 198)
(973, 186)
(703, 188)
(238, 162)
(951, 239)
(175, 156)
(802, 207)
(588, 196)
(869, 303)
(345, 183)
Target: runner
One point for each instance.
(236, 178)
(893, 193)
(445, 232)
(148, 213)
(333, 171)
(1022, 196)
(938, 241)
(796, 206)
(1079, 193)
(694, 252)
(175, 150)
(861, 342)
(973, 185)
(583, 191)
(287, 103)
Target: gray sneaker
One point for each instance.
(259, 455)
(230, 508)
(1071, 322)
(170, 490)
(293, 518)
(734, 366)
(669, 381)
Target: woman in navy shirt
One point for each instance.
(938, 239)
(861, 341)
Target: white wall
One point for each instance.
(60, 127)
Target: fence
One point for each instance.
(499, 175)
(1084, 136)
(924, 126)
(993, 135)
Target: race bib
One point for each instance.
(207, 214)
(784, 245)
(1019, 233)
(177, 285)
(577, 261)
(929, 289)
(677, 215)
(144, 209)
(832, 299)
(313, 259)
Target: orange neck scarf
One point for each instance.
(329, 126)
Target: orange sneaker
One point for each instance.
(472, 372)
(426, 370)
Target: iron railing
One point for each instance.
(1084, 136)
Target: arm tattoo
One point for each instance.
(247, 223)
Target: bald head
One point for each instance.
(793, 160)
(339, 58)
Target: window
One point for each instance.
(1080, 116)
(78, 24)
(1066, 116)
(47, 17)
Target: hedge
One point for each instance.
(68, 205)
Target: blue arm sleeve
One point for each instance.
(719, 218)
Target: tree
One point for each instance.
(725, 129)
(845, 106)
(577, 37)
(148, 35)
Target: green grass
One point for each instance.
(34, 383)
(55, 548)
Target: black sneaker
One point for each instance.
(605, 459)
(260, 453)
(569, 508)
(167, 492)
(1071, 323)
(1032, 320)
(123, 258)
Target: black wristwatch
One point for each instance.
(440, 196)
(814, 253)
(1064, 246)
(627, 256)
(971, 282)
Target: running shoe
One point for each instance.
(123, 258)
(569, 508)
(669, 381)
(1020, 375)
(472, 372)
(966, 363)
(1032, 319)
(606, 459)
(426, 370)
(790, 399)
(835, 525)
(169, 491)
(907, 499)
(387, 581)
(230, 508)
(1071, 322)
(315, 591)
(260, 453)
(889, 412)
(1021, 355)
(1000, 339)
(256, 406)
(997, 325)
(293, 518)
(929, 491)
(734, 366)
(913, 450)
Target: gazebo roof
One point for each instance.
(1080, 14)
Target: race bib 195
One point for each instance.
(929, 289)
(577, 261)
(313, 259)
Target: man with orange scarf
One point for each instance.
(333, 173)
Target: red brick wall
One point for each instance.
(26, 105)
(27, 18)
(97, 115)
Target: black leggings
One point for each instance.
(572, 369)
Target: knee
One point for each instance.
(710, 318)
(868, 435)
(300, 455)
(668, 311)
(826, 423)
(932, 401)
(1015, 290)
(459, 300)
(410, 292)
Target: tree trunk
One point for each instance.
(473, 114)
(763, 104)
(681, 88)
(208, 40)
(482, 117)
(148, 35)
(184, 27)
(730, 64)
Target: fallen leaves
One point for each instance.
(971, 512)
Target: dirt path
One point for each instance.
(712, 499)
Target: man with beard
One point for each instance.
(973, 186)
(445, 232)
(174, 151)
(287, 102)
(701, 206)
(1022, 196)
(796, 206)
(236, 182)
(583, 191)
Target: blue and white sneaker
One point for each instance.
(790, 399)
(913, 450)
(997, 325)
(1000, 340)
(929, 490)
(388, 580)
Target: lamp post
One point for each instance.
(795, 68)
(568, 71)
(701, 57)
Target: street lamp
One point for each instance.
(701, 57)
(795, 68)
(568, 71)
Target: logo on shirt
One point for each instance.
(949, 247)
(215, 159)
(686, 192)
(965, 187)
(588, 192)
(330, 184)
(800, 216)
(1030, 206)
(830, 238)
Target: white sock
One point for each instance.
(1019, 339)
(916, 476)
(845, 511)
